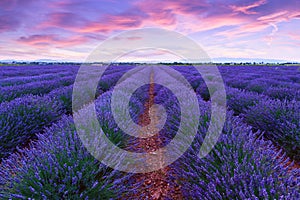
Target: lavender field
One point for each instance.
(256, 157)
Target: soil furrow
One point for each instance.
(156, 185)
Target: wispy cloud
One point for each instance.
(247, 9)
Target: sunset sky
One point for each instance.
(71, 29)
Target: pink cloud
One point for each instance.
(105, 23)
(51, 40)
(165, 13)
(219, 21)
(277, 16)
(174, 6)
(247, 9)
(65, 20)
(129, 38)
(261, 23)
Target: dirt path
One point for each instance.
(156, 184)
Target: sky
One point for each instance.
(69, 30)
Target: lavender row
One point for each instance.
(136, 108)
(57, 166)
(240, 166)
(34, 70)
(23, 118)
(271, 88)
(280, 121)
(13, 81)
(35, 88)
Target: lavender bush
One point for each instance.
(283, 93)
(57, 166)
(241, 166)
(111, 76)
(64, 96)
(24, 117)
(106, 120)
(237, 83)
(258, 86)
(36, 88)
(281, 122)
(13, 81)
(240, 100)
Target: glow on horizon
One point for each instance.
(71, 29)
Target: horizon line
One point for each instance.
(171, 62)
